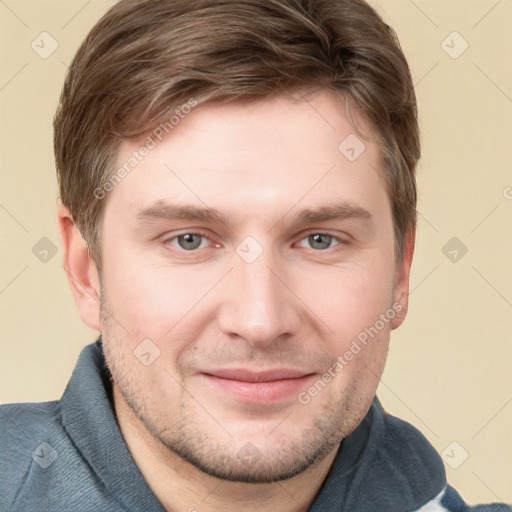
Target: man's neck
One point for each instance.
(179, 485)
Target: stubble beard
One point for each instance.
(183, 431)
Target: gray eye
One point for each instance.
(319, 241)
(189, 241)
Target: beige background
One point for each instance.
(449, 368)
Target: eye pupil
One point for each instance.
(319, 241)
(189, 241)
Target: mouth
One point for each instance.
(268, 386)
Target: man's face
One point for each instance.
(250, 252)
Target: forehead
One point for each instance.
(256, 154)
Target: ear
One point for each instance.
(401, 289)
(81, 270)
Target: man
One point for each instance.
(237, 220)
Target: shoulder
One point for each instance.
(26, 415)
(29, 431)
(401, 437)
(404, 467)
(449, 500)
(41, 467)
(22, 425)
(413, 466)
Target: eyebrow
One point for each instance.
(165, 211)
(333, 212)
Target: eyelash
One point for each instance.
(339, 242)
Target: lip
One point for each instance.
(258, 387)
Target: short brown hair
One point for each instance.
(146, 58)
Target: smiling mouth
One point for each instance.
(258, 387)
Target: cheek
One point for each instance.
(153, 299)
(348, 300)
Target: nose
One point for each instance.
(258, 304)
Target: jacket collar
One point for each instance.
(384, 464)
(89, 419)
